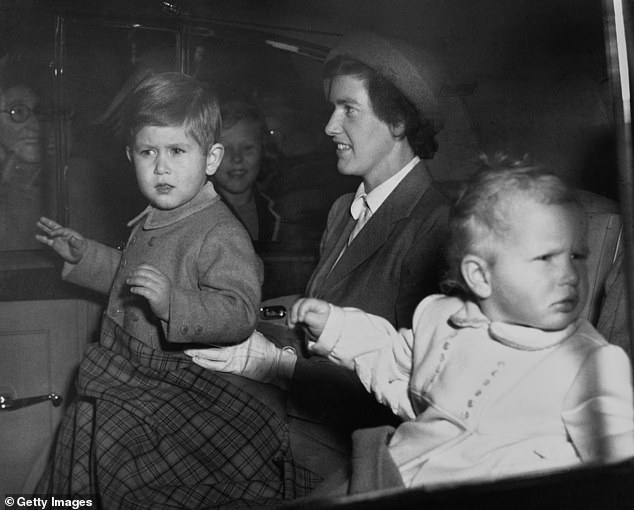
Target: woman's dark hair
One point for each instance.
(389, 104)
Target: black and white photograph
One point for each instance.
(316, 254)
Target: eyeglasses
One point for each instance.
(20, 113)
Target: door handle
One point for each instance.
(8, 403)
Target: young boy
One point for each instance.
(149, 428)
(505, 379)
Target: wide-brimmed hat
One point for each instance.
(411, 70)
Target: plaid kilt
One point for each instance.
(153, 430)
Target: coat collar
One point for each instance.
(378, 195)
(268, 218)
(512, 335)
(158, 218)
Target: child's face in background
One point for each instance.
(171, 167)
(243, 156)
(539, 276)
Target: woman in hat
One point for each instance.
(381, 247)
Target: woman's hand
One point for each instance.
(69, 244)
(153, 285)
(256, 358)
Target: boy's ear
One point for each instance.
(214, 157)
(128, 153)
(476, 274)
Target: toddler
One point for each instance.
(149, 428)
(502, 378)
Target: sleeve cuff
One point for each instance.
(67, 269)
(288, 360)
(329, 337)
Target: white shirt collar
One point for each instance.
(512, 335)
(379, 194)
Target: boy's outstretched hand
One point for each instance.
(70, 245)
(149, 282)
(312, 313)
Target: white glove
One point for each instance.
(256, 358)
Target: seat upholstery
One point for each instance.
(604, 234)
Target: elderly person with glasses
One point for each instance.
(22, 158)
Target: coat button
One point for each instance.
(184, 329)
(198, 330)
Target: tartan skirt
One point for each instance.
(153, 430)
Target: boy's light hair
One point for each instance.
(175, 99)
(479, 217)
(235, 110)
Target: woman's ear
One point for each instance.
(214, 158)
(398, 130)
(476, 274)
(128, 153)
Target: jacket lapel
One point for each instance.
(398, 205)
(341, 229)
